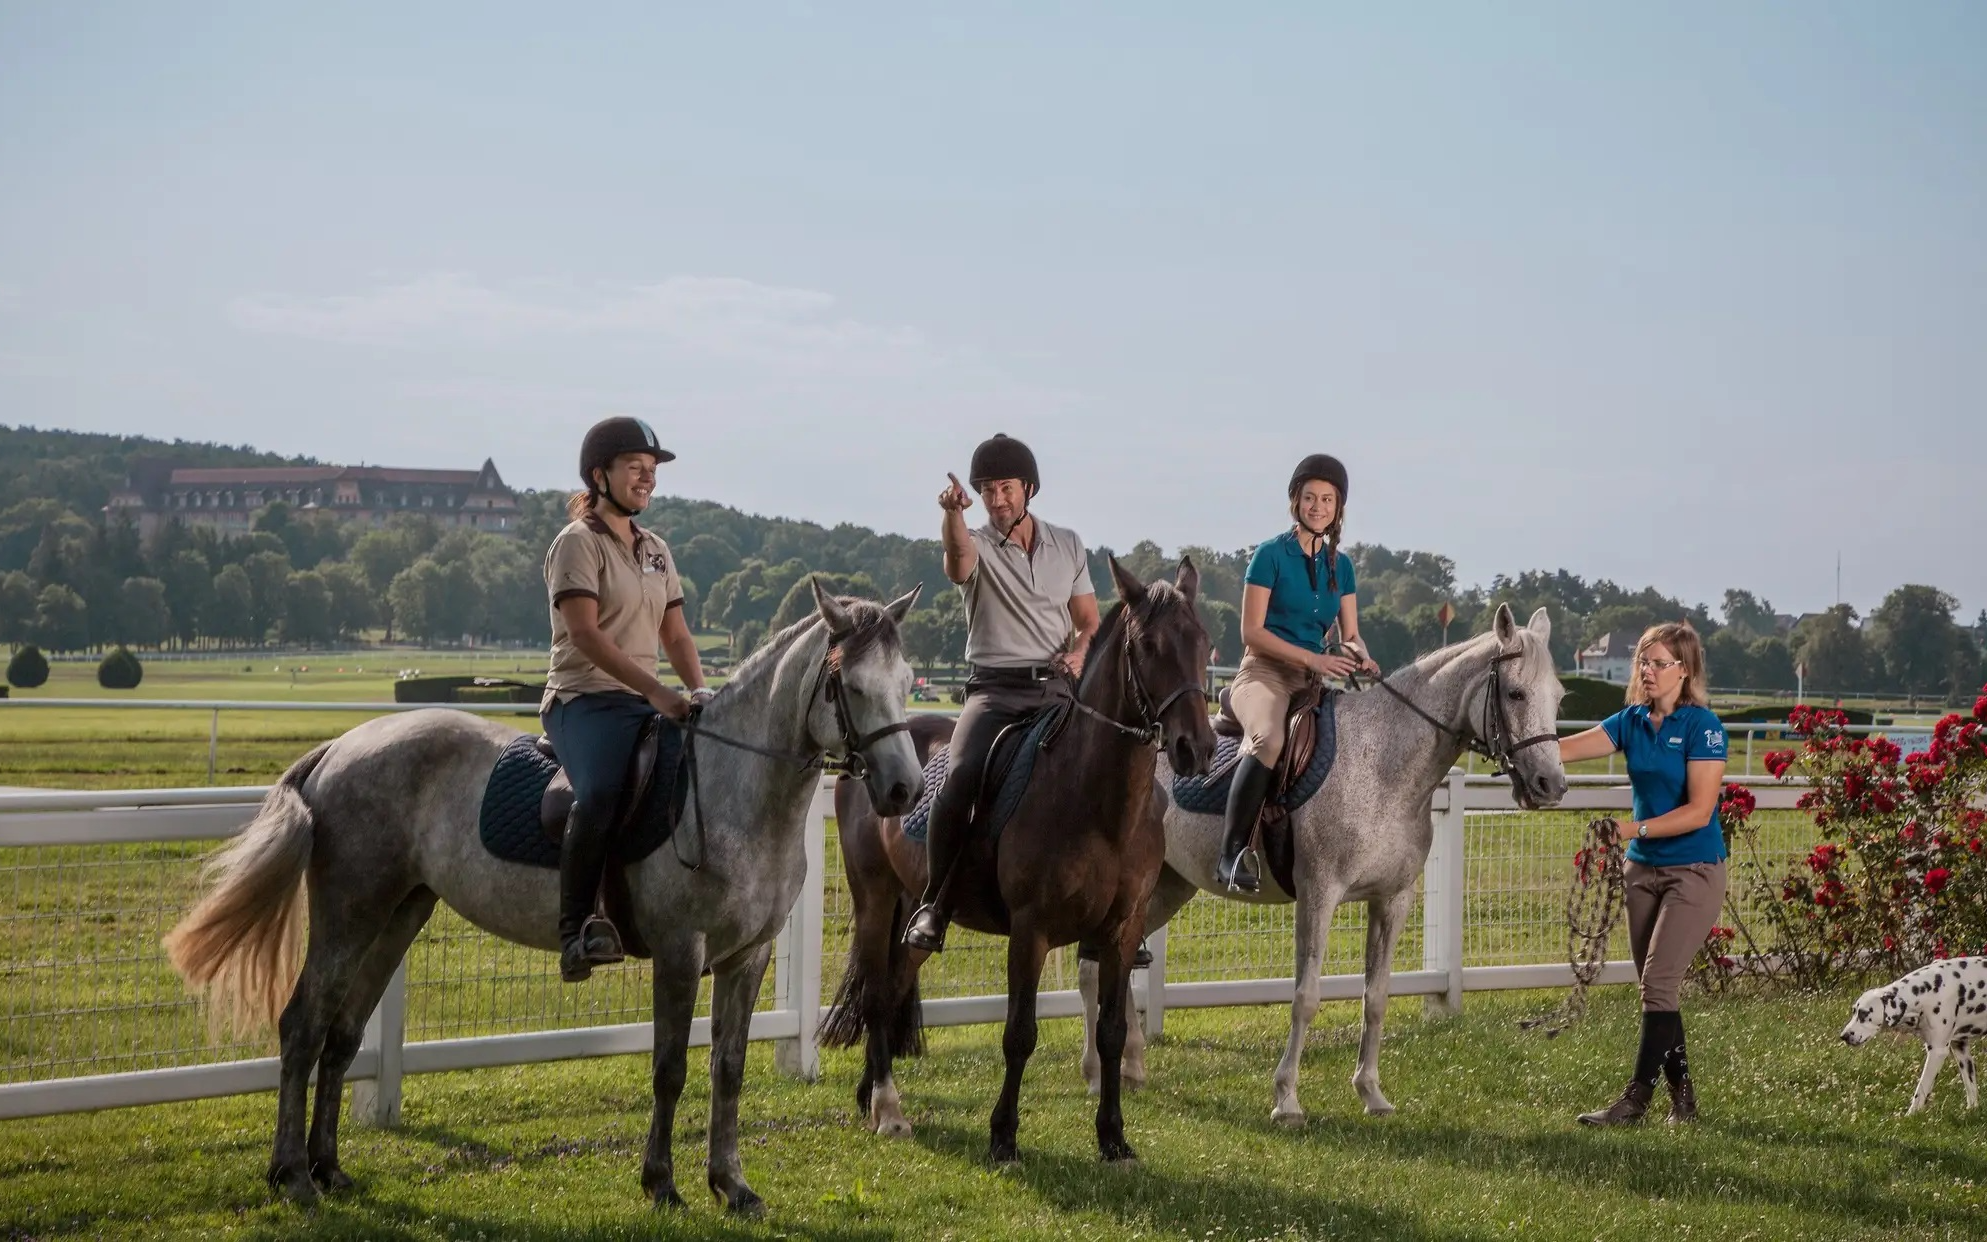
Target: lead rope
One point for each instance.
(1594, 902)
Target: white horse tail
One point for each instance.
(242, 946)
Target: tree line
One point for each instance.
(73, 579)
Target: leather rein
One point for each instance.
(1497, 746)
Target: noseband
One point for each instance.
(1494, 743)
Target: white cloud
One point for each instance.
(717, 318)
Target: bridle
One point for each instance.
(1149, 729)
(851, 763)
(1493, 742)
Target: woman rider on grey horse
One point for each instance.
(615, 597)
(1298, 584)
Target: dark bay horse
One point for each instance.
(1076, 862)
(370, 830)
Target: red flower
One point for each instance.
(1973, 846)
(1910, 832)
(1726, 963)
(1778, 761)
(1980, 709)
(1890, 944)
(1886, 751)
(1974, 820)
(1936, 879)
(1823, 857)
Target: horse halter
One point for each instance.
(1494, 742)
(1149, 729)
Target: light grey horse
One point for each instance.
(381, 823)
(1364, 836)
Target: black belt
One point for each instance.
(1013, 675)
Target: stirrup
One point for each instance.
(918, 934)
(1236, 880)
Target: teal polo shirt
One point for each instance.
(1659, 760)
(1301, 606)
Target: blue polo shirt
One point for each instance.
(1658, 761)
(1301, 606)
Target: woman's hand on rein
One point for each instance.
(1333, 666)
(671, 704)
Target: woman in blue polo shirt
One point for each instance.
(1298, 584)
(1675, 870)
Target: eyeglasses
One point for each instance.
(1657, 666)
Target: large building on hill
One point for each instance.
(227, 498)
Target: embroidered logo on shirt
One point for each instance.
(658, 563)
(1714, 739)
(1676, 743)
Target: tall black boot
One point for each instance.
(1245, 802)
(926, 930)
(585, 939)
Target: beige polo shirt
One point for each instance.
(1017, 602)
(633, 587)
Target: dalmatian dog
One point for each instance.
(1944, 1004)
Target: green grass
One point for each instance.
(1801, 1138)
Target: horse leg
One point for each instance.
(348, 1030)
(678, 964)
(340, 938)
(1173, 892)
(895, 1019)
(734, 991)
(1113, 1008)
(1384, 919)
(1314, 923)
(1026, 952)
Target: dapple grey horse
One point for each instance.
(1364, 836)
(381, 823)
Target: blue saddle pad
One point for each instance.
(1016, 747)
(1208, 795)
(508, 822)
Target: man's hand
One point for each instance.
(1071, 662)
(955, 499)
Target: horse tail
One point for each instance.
(241, 947)
(847, 1021)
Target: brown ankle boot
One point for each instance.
(1625, 1111)
(1683, 1101)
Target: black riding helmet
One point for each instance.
(1323, 467)
(611, 437)
(1004, 457)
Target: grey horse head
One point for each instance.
(876, 682)
(1530, 693)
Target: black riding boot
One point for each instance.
(586, 940)
(1245, 802)
(926, 931)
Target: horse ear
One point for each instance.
(1541, 624)
(1130, 589)
(1188, 579)
(1505, 626)
(837, 617)
(900, 607)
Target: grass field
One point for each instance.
(1802, 1138)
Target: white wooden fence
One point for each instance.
(50, 842)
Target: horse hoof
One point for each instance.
(1119, 1153)
(1289, 1119)
(1380, 1108)
(332, 1179)
(293, 1184)
(666, 1197)
(897, 1128)
(1004, 1155)
(746, 1204)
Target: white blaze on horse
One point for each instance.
(1364, 835)
(376, 826)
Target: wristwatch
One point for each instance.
(1642, 831)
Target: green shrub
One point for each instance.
(28, 668)
(120, 670)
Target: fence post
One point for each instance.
(1442, 901)
(800, 1057)
(213, 744)
(377, 1102)
(1155, 986)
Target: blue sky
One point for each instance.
(1692, 294)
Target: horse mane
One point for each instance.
(873, 629)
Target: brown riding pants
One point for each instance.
(1260, 699)
(1670, 911)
